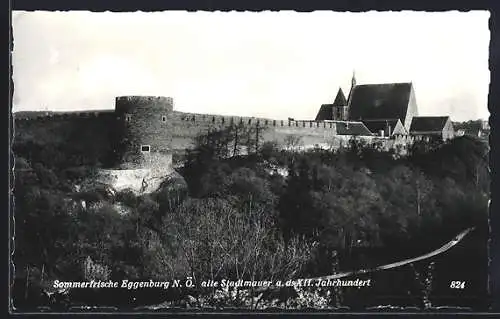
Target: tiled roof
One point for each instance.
(428, 123)
(473, 128)
(474, 131)
(352, 128)
(380, 101)
(325, 112)
(376, 126)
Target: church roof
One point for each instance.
(428, 123)
(340, 99)
(376, 126)
(325, 112)
(352, 128)
(380, 101)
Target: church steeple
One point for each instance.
(339, 106)
(353, 85)
(340, 99)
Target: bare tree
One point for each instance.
(293, 142)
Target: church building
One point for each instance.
(387, 109)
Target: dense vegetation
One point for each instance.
(271, 214)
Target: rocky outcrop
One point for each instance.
(139, 181)
(106, 184)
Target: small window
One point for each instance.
(128, 117)
(145, 148)
(163, 118)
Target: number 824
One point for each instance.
(457, 285)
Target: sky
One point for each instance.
(264, 64)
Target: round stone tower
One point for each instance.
(145, 135)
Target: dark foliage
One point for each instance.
(252, 211)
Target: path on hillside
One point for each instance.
(433, 253)
(344, 274)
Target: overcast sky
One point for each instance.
(277, 65)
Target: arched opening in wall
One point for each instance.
(128, 117)
(164, 118)
(145, 148)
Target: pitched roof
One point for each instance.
(325, 112)
(474, 131)
(376, 126)
(471, 127)
(340, 99)
(380, 101)
(352, 128)
(428, 123)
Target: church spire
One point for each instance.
(353, 85)
(340, 99)
(339, 106)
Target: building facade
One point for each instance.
(387, 110)
(432, 128)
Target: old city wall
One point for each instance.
(84, 138)
(186, 126)
(115, 138)
(310, 133)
